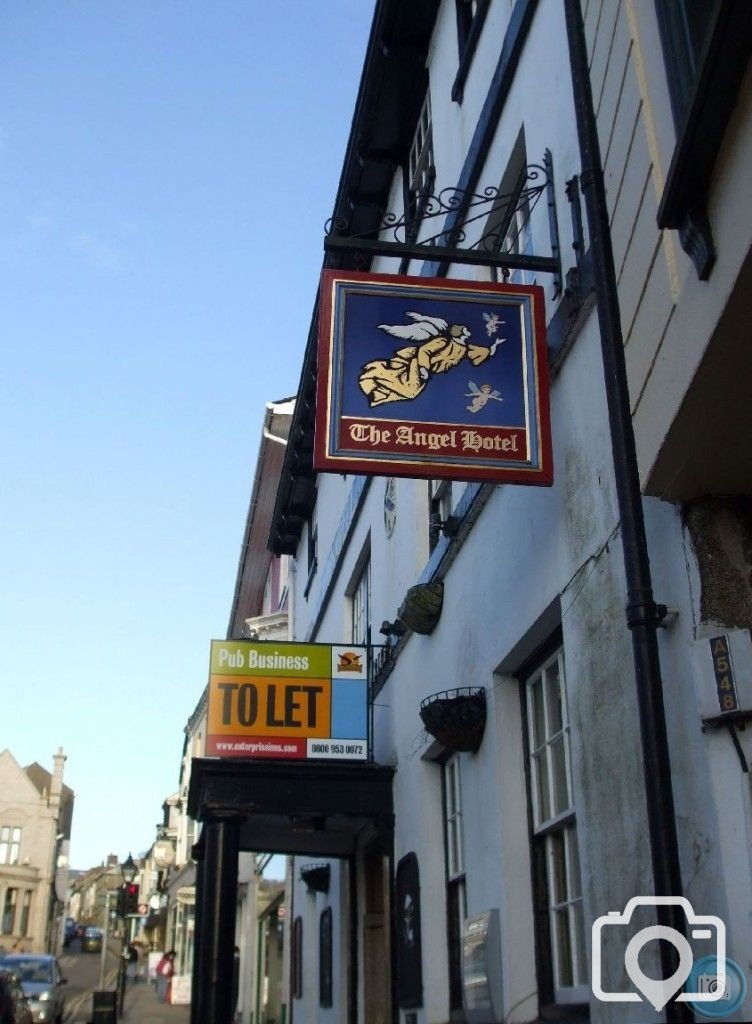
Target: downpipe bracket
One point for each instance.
(646, 613)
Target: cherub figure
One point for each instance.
(480, 396)
(439, 346)
(492, 323)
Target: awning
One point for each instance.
(314, 808)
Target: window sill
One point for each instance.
(560, 821)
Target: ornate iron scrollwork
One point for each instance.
(454, 210)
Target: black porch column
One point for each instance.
(197, 853)
(215, 937)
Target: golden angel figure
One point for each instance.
(439, 347)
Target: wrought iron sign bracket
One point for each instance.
(504, 228)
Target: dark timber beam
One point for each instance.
(476, 257)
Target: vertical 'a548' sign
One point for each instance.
(432, 378)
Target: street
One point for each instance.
(82, 973)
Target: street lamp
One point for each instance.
(129, 870)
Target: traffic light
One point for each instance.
(121, 901)
(130, 890)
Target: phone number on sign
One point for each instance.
(327, 748)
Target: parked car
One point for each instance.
(92, 940)
(42, 982)
(69, 931)
(11, 991)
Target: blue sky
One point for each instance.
(166, 169)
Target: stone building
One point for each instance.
(36, 812)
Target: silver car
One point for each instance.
(42, 982)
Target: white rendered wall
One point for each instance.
(529, 547)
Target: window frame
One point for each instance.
(420, 168)
(23, 927)
(683, 51)
(10, 906)
(440, 497)
(549, 822)
(703, 85)
(509, 227)
(325, 958)
(454, 873)
(453, 818)
(360, 604)
(296, 958)
(468, 34)
(10, 844)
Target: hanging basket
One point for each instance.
(421, 609)
(316, 877)
(456, 718)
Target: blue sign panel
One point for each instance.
(432, 378)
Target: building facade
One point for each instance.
(513, 745)
(94, 896)
(36, 812)
(259, 610)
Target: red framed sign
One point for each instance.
(431, 378)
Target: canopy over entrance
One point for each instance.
(319, 809)
(313, 808)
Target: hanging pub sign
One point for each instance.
(287, 700)
(432, 378)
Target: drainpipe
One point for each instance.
(643, 614)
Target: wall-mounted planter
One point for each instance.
(316, 877)
(421, 609)
(456, 718)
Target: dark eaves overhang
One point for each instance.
(255, 557)
(392, 89)
(319, 809)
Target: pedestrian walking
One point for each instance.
(131, 963)
(165, 971)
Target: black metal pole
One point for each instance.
(219, 889)
(643, 615)
(352, 993)
(199, 980)
(197, 854)
(121, 967)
